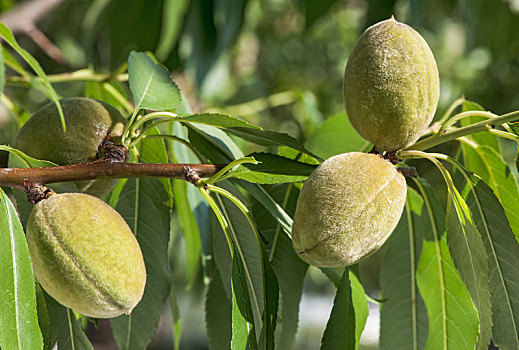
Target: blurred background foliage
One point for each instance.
(277, 63)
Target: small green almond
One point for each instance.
(85, 256)
(347, 209)
(391, 85)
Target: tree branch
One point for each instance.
(23, 178)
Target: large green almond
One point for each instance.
(347, 209)
(391, 85)
(85, 256)
(88, 122)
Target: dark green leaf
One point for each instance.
(340, 329)
(315, 9)
(18, 316)
(271, 306)
(43, 318)
(503, 253)
(142, 204)
(217, 311)
(273, 169)
(151, 84)
(336, 136)
(268, 138)
(243, 330)
(175, 316)
(218, 120)
(71, 334)
(490, 166)
(403, 317)
(470, 258)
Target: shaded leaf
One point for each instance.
(172, 20)
(335, 136)
(503, 254)
(71, 334)
(18, 314)
(2, 69)
(141, 204)
(217, 120)
(151, 84)
(340, 329)
(491, 167)
(482, 138)
(403, 317)
(18, 159)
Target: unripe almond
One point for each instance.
(347, 209)
(391, 85)
(88, 123)
(85, 255)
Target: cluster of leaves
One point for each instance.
(449, 273)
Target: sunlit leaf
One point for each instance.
(151, 84)
(18, 316)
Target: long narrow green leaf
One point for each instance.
(491, 167)
(470, 258)
(221, 121)
(71, 334)
(47, 88)
(340, 329)
(175, 315)
(18, 316)
(2, 69)
(360, 305)
(453, 318)
(142, 205)
(243, 330)
(403, 317)
(503, 254)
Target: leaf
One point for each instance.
(21, 160)
(2, 69)
(470, 258)
(268, 138)
(491, 167)
(403, 317)
(151, 84)
(271, 306)
(43, 318)
(360, 305)
(142, 206)
(189, 226)
(273, 169)
(172, 20)
(288, 267)
(217, 311)
(45, 87)
(243, 329)
(18, 316)
(340, 329)
(213, 143)
(453, 318)
(335, 136)
(71, 334)
(482, 138)
(221, 121)
(248, 248)
(503, 252)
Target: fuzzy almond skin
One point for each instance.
(391, 85)
(347, 209)
(88, 122)
(85, 255)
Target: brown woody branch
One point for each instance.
(24, 178)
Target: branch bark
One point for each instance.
(24, 178)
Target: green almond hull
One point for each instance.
(347, 209)
(391, 85)
(85, 256)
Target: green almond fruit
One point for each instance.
(391, 85)
(347, 209)
(88, 123)
(85, 256)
